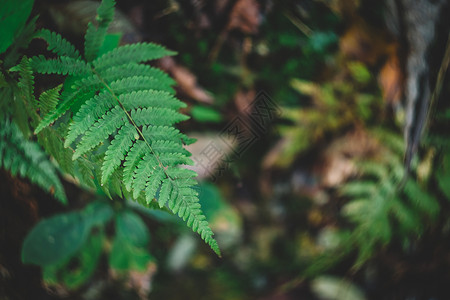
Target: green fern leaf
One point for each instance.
(26, 80)
(63, 65)
(134, 69)
(167, 146)
(136, 83)
(53, 144)
(95, 36)
(408, 219)
(123, 119)
(157, 116)
(150, 98)
(133, 53)
(57, 44)
(145, 169)
(422, 200)
(164, 193)
(22, 98)
(84, 172)
(153, 184)
(49, 99)
(90, 111)
(131, 162)
(25, 158)
(156, 133)
(101, 130)
(82, 89)
(115, 154)
(359, 189)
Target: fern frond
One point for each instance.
(57, 44)
(95, 36)
(420, 199)
(63, 65)
(391, 139)
(123, 118)
(183, 201)
(83, 170)
(379, 207)
(373, 169)
(22, 97)
(407, 219)
(49, 99)
(25, 158)
(26, 80)
(359, 189)
(132, 53)
(53, 144)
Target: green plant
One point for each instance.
(109, 125)
(380, 206)
(123, 115)
(380, 203)
(26, 158)
(68, 246)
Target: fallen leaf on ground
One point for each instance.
(186, 80)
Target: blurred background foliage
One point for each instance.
(318, 207)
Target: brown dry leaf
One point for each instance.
(337, 162)
(343, 8)
(245, 17)
(364, 43)
(140, 281)
(391, 80)
(186, 80)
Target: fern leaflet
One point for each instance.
(57, 44)
(23, 157)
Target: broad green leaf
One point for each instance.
(13, 15)
(85, 262)
(131, 227)
(55, 239)
(98, 213)
(129, 246)
(125, 256)
(205, 114)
